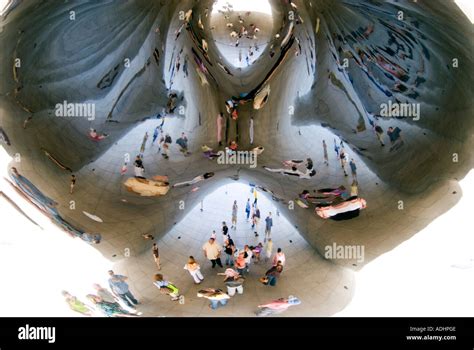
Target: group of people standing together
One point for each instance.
(237, 262)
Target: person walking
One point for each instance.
(325, 151)
(247, 209)
(279, 257)
(120, 288)
(229, 250)
(194, 270)
(353, 169)
(156, 255)
(220, 123)
(234, 215)
(212, 251)
(268, 226)
(73, 183)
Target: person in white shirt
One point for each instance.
(279, 256)
(212, 251)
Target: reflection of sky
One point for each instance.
(240, 56)
(244, 5)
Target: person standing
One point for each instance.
(379, 133)
(138, 167)
(353, 169)
(325, 150)
(183, 143)
(248, 254)
(194, 270)
(165, 141)
(145, 139)
(156, 255)
(104, 293)
(212, 251)
(279, 258)
(76, 305)
(156, 132)
(229, 249)
(247, 209)
(220, 123)
(336, 148)
(268, 226)
(234, 215)
(225, 230)
(251, 130)
(256, 220)
(342, 156)
(120, 288)
(73, 182)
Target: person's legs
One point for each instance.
(213, 261)
(125, 300)
(195, 277)
(231, 291)
(157, 260)
(214, 304)
(228, 259)
(272, 280)
(131, 297)
(199, 274)
(219, 262)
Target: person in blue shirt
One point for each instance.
(120, 288)
(268, 226)
(353, 169)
